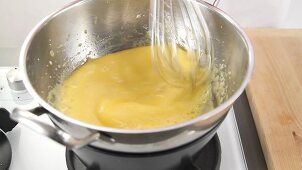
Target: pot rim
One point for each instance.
(203, 117)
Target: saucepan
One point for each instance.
(90, 28)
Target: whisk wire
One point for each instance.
(178, 24)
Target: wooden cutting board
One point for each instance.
(275, 95)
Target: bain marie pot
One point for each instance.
(90, 28)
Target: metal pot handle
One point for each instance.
(31, 120)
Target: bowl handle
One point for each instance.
(30, 119)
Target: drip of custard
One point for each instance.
(123, 90)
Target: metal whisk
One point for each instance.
(178, 29)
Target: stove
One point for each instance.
(205, 157)
(31, 151)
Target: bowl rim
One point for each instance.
(204, 117)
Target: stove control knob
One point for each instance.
(14, 80)
(19, 93)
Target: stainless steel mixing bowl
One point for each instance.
(91, 28)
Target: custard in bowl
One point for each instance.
(124, 90)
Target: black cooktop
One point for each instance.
(5, 149)
(208, 158)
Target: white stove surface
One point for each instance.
(32, 151)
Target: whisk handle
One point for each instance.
(216, 2)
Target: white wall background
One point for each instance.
(17, 17)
